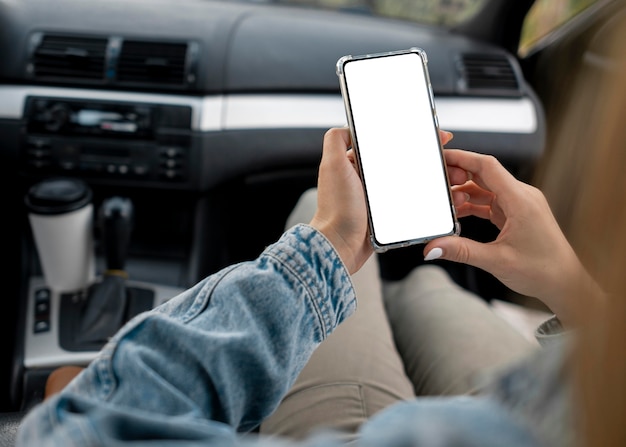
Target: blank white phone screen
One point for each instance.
(397, 140)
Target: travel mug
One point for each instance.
(61, 218)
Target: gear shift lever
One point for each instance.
(107, 301)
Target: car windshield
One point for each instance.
(437, 12)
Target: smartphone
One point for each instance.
(391, 114)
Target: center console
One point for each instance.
(141, 151)
(48, 316)
(72, 312)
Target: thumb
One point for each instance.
(459, 249)
(336, 142)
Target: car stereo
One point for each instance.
(106, 139)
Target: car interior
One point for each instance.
(190, 128)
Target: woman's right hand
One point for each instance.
(531, 254)
(341, 214)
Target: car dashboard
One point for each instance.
(209, 116)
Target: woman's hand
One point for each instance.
(341, 214)
(530, 255)
(341, 211)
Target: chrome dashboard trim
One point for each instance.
(213, 113)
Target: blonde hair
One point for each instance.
(585, 181)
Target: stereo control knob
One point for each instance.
(57, 116)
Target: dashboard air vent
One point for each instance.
(68, 57)
(488, 74)
(153, 63)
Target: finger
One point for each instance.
(459, 198)
(336, 139)
(469, 209)
(457, 176)
(462, 250)
(491, 213)
(335, 147)
(485, 170)
(351, 156)
(477, 195)
(445, 137)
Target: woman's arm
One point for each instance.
(218, 358)
(214, 360)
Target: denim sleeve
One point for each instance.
(211, 362)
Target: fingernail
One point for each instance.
(435, 253)
(450, 134)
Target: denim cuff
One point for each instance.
(310, 256)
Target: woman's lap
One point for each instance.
(428, 336)
(447, 337)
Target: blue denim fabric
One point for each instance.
(206, 367)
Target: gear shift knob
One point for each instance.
(116, 221)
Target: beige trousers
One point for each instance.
(427, 336)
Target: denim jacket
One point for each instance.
(205, 368)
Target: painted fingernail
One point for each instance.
(435, 253)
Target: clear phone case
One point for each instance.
(340, 70)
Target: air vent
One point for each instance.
(488, 74)
(68, 57)
(162, 63)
